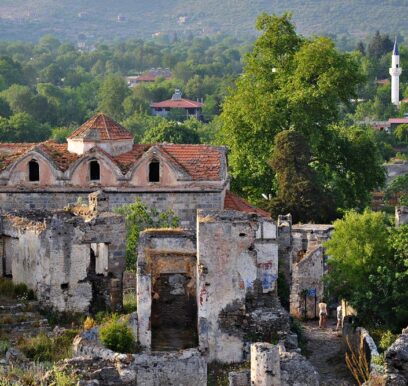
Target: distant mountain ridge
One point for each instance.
(112, 19)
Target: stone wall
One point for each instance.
(308, 268)
(238, 258)
(71, 262)
(161, 252)
(184, 203)
(181, 368)
(396, 169)
(272, 365)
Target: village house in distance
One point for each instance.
(191, 108)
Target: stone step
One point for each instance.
(19, 317)
(18, 307)
(23, 326)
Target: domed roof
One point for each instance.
(101, 127)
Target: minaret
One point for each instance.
(395, 72)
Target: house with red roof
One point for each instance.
(148, 76)
(101, 154)
(191, 108)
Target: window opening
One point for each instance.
(33, 170)
(94, 171)
(154, 171)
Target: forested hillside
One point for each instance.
(107, 19)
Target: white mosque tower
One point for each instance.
(395, 72)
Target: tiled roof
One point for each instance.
(177, 104)
(59, 154)
(11, 151)
(234, 202)
(101, 127)
(398, 120)
(201, 162)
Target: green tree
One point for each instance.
(139, 217)
(379, 45)
(60, 134)
(291, 83)
(112, 93)
(172, 132)
(21, 127)
(401, 133)
(398, 188)
(299, 191)
(368, 268)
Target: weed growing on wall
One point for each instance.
(139, 217)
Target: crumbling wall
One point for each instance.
(308, 268)
(53, 257)
(163, 252)
(238, 259)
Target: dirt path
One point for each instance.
(325, 353)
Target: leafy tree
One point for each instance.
(10, 72)
(401, 133)
(398, 188)
(367, 268)
(112, 94)
(379, 45)
(139, 217)
(172, 132)
(60, 134)
(299, 191)
(21, 127)
(293, 83)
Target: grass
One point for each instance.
(42, 348)
(18, 291)
(63, 319)
(218, 372)
(129, 302)
(30, 376)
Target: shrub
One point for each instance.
(4, 346)
(117, 336)
(89, 323)
(387, 339)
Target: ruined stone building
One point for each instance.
(72, 258)
(303, 262)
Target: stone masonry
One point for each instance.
(73, 259)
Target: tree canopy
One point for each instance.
(368, 267)
(290, 82)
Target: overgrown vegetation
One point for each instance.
(42, 348)
(138, 217)
(30, 376)
(369, 268)
(17, 291)
(117, 336)
(129, 302)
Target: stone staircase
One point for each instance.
(22, 319)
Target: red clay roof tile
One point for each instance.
(234, 202)
(101, 127)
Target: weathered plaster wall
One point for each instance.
(236, 253)
(308, 267)
(51, 253)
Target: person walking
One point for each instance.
(322, 313)
(339, 317)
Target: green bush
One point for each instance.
(387, 339)
(129, 302)
(117, 336)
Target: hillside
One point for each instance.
(109, 19)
